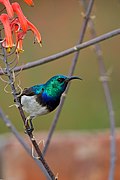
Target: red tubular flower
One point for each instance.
(16, 27)
(29, 2)
(8, 42)
(35, 31)
(8, 6)
(20, 46)
(23, 21)
(19, 39)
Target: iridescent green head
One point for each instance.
(56, 85)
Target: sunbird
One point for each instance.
(43, 98)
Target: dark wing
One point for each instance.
(27, 92)
(34, 90)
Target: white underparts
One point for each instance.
(31, 106)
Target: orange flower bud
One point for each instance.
(29, 2)
(35, 31)
(20, 46)
(23, 22)
(8, 6)
(20, 35)
(8, 42)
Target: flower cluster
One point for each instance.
(16, 27)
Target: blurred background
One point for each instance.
(85, 107)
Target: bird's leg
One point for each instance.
(31, 124)
(29, 119)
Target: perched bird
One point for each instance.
(44, 98)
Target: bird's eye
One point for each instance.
(60, 80)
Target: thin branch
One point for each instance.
(48, 171)
(82, 33)
(14, 131)
(20, 139)
(104, 80)
(68, 51)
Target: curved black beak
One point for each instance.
(73, 77)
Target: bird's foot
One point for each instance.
(29, 130)
(28, 123)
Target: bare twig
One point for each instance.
(14, 131)
(67, 52)
(48, 171)
(108, 98)
(82, 33)
(20, 139)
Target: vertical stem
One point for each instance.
(47, 171)
(104, 79)
(82, 33)
(19, 138)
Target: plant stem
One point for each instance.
(104, 80)
(48, 173)
(72, 68)
(20, 139)
(66, 52)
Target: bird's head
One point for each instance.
(57, 84)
